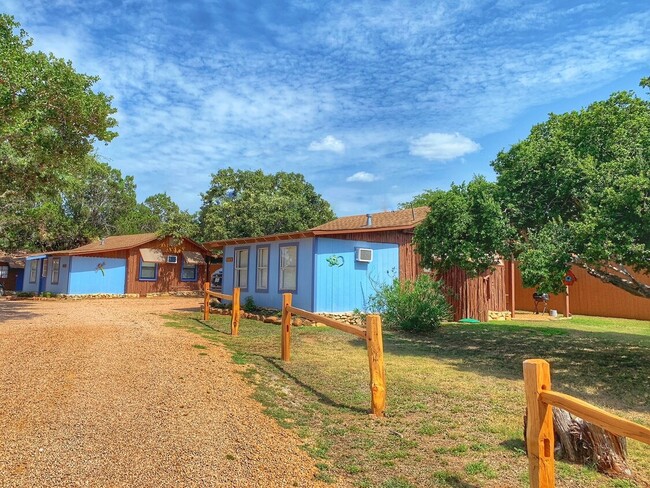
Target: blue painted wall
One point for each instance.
(85, 277)
(344, 284)
(302, 298)
(64, 269)
(32, 287)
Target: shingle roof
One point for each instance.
(112, 243)
(384, 220)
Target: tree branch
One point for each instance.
(629, 283)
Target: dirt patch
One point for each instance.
(98, 393)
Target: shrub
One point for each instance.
(249, 305)
(418, 306)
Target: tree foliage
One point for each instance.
(243, 203)
(49, 120)
(576, 191)
(465, 228)
(158, 213)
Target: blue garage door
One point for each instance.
(90, 275)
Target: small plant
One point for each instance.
(416, 306)
(25, 294)
(249, 305)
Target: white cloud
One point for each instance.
(329, 143)
(442, 146)
(363, 177)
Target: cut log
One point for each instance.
(581, 442)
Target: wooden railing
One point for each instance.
(374, 342)
(234, 298)
(540, 440)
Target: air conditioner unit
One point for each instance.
(172, 259)
(363, 255)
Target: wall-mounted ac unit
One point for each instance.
(363, 255)
(172, 259)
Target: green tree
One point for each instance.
(250, 203)
(465, 228)
(159, 213)
(576, 191)
(49, 120)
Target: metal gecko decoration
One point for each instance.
(100, 267)
(335, 261)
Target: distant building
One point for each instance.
(130, 264)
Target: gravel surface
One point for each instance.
(99, 393)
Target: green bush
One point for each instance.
(25, 294)
(417, 306)
(249, 305)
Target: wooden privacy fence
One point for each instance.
(540, 442)
(374, 342)
(234, 298)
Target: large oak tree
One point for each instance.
(576, 191)
(243, 203)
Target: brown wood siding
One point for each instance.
(589, 296)
(9, 282)
(169, 275)
(475, 297)
(409, 260)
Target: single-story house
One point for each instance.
(12, 267)
(337, 266)
(129, 264)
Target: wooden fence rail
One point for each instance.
(374, 343)
(540, 440)
(234, 298)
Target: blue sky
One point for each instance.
(372, 101)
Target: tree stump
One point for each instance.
(581, 442)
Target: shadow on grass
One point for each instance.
(277, 364)
(514, 445)
(205, 324)
(609, 368)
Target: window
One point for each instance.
(44, 270)
(148, 271)
(188, 271)
(56, 266)
(288, 268)
(4, 271)
(262, 281)
(241, 268)
(33, 270)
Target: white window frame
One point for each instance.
(282, 286)
(262, 266)
(33, 271)
(56, 270)
(241, 269)
(4, 271)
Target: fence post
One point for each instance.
(286, 327)
(234, 320)
(375, 344)
(540, 441)
(206, 301)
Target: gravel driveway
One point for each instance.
(99, 393)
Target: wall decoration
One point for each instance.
(335, 261)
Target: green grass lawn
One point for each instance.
(454, 401)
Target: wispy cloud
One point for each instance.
(362, 177)
(442, 147)
(293, 85)
(328, 143)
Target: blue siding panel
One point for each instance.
(302, 298)
(86, 276)
(343, 284)
(64, 268)
(32, 287)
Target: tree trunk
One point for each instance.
(581, 442)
